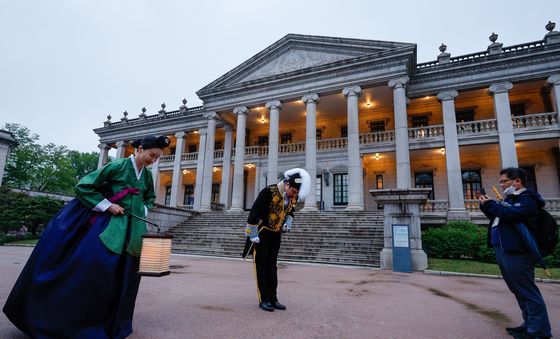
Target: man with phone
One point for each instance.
(520, 205)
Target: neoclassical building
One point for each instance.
(360, 115)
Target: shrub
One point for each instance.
(2, 238)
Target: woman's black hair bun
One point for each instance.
(162, 141)
(136, 143)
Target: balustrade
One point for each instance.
(218, 154)
(193, 156)
(377, 137)
(435, 206)
(166, 158)
(425, 132)
(297, 147)
(332, 143)
(477, 127)
(552, 204)
(535, 120)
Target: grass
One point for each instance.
(475, 267)
(24, 242)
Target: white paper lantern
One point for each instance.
(155, 255)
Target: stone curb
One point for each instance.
(488, 276)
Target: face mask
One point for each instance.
(509, 190)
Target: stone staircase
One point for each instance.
(341, 238)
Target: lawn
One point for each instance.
(475, 267)
(24, 242)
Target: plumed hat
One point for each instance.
(298, 178)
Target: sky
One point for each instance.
(66, 64)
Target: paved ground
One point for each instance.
(216, 298)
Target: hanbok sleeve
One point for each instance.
(87, 189)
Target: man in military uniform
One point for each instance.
(271, 215)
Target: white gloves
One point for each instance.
(287, 227)
(255, 240)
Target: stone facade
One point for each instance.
(360, 115)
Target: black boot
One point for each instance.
(266, 306)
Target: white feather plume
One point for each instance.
(305, 181)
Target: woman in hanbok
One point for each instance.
(81, 279)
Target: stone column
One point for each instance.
(156, 177)
(226, 167)
(6, 143)
(554, 81)
(457, 209)
(355, 178)
(177, 178)
(121, 149)
(311, 101)
(404, 179)
(237, 196)
(508, 154)
(205, 204)
(103, 153)
(198, 184)
(274, 108)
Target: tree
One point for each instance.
(83, 163)
(22, 163)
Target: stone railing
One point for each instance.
(255, 151)
(193, 156)
(332, 143)
(425, 132)
(435, 206)
(216, 206)
(185, 207)
(297, 147)
(477, 127)
(535, 120)
(471, 205)
(377, 137)
(218, 154)
(552, 204)
(155, 117)
(166, 158)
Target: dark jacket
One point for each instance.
(268, 210)
(514, 209)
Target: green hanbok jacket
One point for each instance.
(114, 177)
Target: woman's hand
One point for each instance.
(115, 209)
(484, 198)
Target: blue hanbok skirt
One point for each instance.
(72, 286)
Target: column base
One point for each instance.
(354, 208)
(309, 209)
(458, 214)
(235, 210)
(419, 259)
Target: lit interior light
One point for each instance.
(442, 150)
(215, 169)
(262, 120)
(376, 156)
(185, 171)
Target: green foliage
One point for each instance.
(553, 260)
(458, 240)
(21, 211)
(2, 238)
(48, 168)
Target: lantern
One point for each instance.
(155, 255)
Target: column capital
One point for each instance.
(180, 134)
(500, 87)
(447, 95)
(211, 115)
(554, 79)
(310, 98)
(399, 82)
(240, 110)
(351, 91)
(275, 104)
(121, 143)
(103, 146)
(228, 128)
(202, 131)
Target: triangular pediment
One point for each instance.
(298, 53)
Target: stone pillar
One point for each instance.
(508, 154)
(205, 204)
(402, 207)
(103, 153)
(554, 81)
(457, 209)
(226, 167)
(121, 149)
(355, 178)
(155, 175)
(198, 183)
(6, 143)
(404, 179)
(237, 196)
(311, 101)
(177, 176)
(274, 108)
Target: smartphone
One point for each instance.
(482, 191)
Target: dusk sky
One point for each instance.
(66, 64)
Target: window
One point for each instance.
(379, 181)
(377, 126)
(188, 199)
(286, 138)
(192, 148)
(464, 115)
(531, 178)
(167, 195)
(425, 180)
(344, 131)
(419, 121)
(262, 140)
(172, 150)
(517, 109)
(319, 133)
(471, 183)
(319, 188)
(216, 193)
(340, 188)
(218, 145)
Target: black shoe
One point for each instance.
(526, 335)
(278, 306)
(266, 306)
(516, 330)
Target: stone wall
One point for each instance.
(167, 217)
